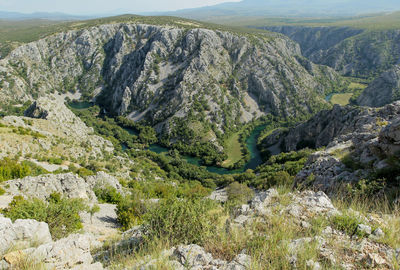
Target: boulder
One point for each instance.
(389, 138)
(32, 230)
(7, 234)
(68, 185)
(24, 232)
(72, 252)
(220, 195)
(364, 229)
(261, 201)
(67, 252)
(102, 179)
(192, 256)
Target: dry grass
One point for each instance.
(233, 150)
(379, 211)
(341, 99)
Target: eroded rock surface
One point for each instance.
(366, 135)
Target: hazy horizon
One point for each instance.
(91, 7)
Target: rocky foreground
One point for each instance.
(308, 218)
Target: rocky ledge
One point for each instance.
(361, 136)
(68, 185)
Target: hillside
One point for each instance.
(113, 133)
(161, 74)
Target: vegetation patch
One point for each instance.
(281, 169)
(107, 194)
(182, 221)
(11, 169)
(341, 99)
(233, 150)
(239, 194)
(61, 214)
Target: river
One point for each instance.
(251, 144)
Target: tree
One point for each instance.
(93, 210)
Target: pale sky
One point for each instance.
(102, 6)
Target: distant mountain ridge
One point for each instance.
(293, 8)
(6, 15)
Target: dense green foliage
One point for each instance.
(11, 169)
(107, 194)
(181, 221)
(131, 209)
(178, 169)
(61, 214)
(13, 109)
(190, 134)
(280, 169)
(111, 129)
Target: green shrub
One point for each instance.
(2, 191)
(280, 169)
(11, 169)
(93, 210)
(239, 193)
(281, 178)
(351, 163)
(192, 190)
(181, 221)
(107, 194)
(346, 223)
(53, 160)
(83, 172)
(130, 211)
(61, 214)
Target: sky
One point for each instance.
(86, 7)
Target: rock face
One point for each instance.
(60, 130)
(69, 185)
(367, 136)
(350, 52)
(383, 90)
(195, 257)
(54, 110)
(315, 40)
(72, 252)
(22, 233)
(303, 205)
(102, 179)
(160, 72)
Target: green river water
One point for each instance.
(251, 144)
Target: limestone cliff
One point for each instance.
(159, 72)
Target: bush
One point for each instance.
(281, 178)
(11, 169)
(83, 172)
(192, 190)
(280, 169)
(2, 191)
(62, 215)
(347, 223)
(239, 193)
(107, 194)
(130, 211)
(181, 221)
